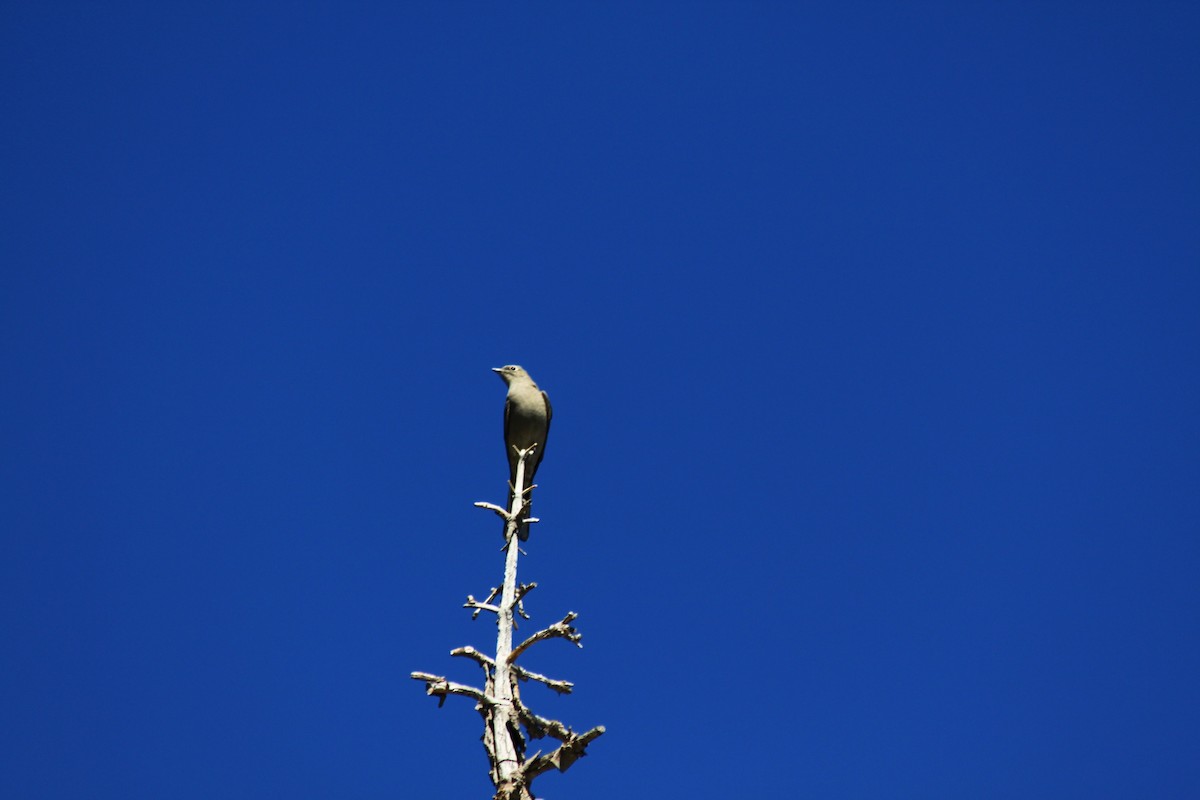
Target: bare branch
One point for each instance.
(484, 605)
(562, 687)
(539, 727)
(564, 756)
(439, 687)
(470, 652)
(522, 590)
(508, 724)
(559, 630)
(493, 507)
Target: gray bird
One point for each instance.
(527, 415)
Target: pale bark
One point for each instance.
(499, 702)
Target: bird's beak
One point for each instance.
(497, 369)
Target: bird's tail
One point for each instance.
(522, 526)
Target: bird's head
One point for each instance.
(509, 373)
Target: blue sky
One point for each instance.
(872, 335)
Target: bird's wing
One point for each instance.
(507, 413)
(508, 451)
(541, 451)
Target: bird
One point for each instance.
(527, 415)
